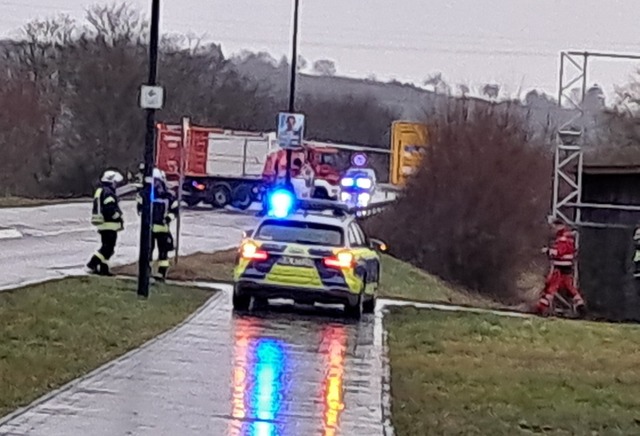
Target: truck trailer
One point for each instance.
(221, 166)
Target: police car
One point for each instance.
(311, 251)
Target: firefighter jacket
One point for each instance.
(106, 213)
(562, 252)
(164, 209)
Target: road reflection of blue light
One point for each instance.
(266, 388)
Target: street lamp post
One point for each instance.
(292, 82)
(144, 269)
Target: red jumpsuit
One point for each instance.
(562, 254)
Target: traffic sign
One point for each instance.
(151, 97)
(290, 130)
(359, 159)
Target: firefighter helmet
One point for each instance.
(111, 176)
(158, 174)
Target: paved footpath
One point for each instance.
(219, 374)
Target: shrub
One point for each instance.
(475, 212)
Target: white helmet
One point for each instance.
(111, 176)
(158, 174)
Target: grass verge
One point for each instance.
(461, 373)
(399, 279)
(57, 331)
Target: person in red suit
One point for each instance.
(562, 254)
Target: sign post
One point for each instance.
(151, 100)
(186, 126)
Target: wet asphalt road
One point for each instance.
(281, 372)
(58, 240)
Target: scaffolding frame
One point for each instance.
(569, 151)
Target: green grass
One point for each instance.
(461, 373)
(399, 279)
(403, 281)
(57, 331)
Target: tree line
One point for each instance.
(69, 93)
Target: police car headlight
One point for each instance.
(364, 183)
(347, 182)
(364, 199)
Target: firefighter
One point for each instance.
(107, 218)
(164, 210)
(562, 254)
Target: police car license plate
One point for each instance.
(297, 261)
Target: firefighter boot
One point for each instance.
(578, 303)
(162, 272)
(104, 270)
(94, 265)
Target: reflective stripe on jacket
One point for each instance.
(106, 213)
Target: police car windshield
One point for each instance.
(300, 232)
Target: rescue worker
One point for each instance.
(562, 254)
(164, 210)
(107, 218)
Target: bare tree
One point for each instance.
(437, 83)
(491, 90)
(325, 67)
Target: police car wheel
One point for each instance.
(369, 305)
(241, 302)
(355, 310)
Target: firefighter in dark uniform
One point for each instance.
(164, 210)
(107, 218)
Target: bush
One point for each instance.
(475, 213)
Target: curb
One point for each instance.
(10, 234)
(19, 412)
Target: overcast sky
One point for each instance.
(513, 42)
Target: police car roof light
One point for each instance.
(281, 203)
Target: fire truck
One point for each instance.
(228, 167)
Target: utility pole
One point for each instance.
(144, 268)
(292, 83)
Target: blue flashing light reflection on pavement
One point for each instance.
(267, 388)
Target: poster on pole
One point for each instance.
(290, 130)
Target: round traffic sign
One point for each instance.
(359, 159)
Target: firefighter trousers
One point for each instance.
(100, 260)
(558, 280)
(163, 241)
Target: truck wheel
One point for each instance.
(191, 201)
(220, 196)
(242, 197)
(321, 194)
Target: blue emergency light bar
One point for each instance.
(281, 203)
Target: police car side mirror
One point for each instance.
(378, 245)
(247, 233)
